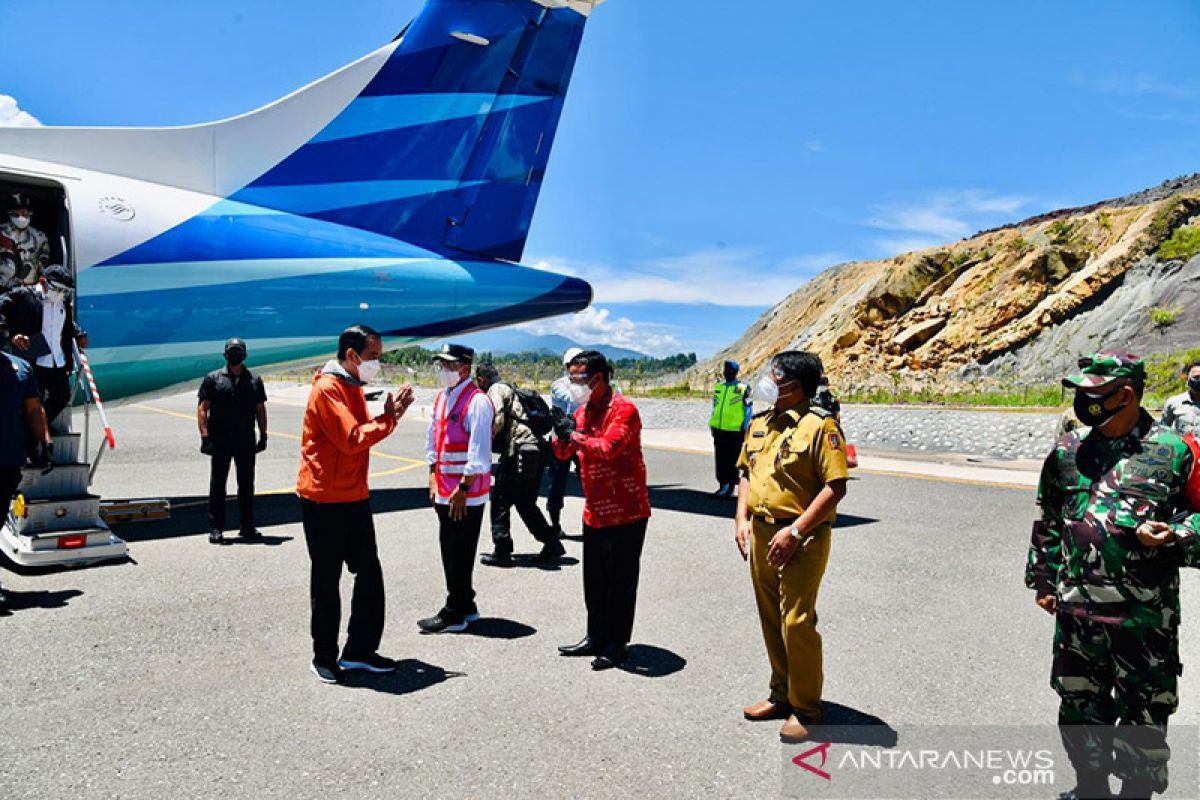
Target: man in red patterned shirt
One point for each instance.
(606, 435)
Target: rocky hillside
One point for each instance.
(1018, 303)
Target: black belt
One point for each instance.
(780, 521)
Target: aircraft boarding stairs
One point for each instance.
(55, 520)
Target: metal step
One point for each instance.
(66, 448)
(55, 514)
(65, 480)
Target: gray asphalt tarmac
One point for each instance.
(185, 674)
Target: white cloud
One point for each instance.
(12, 115)
(597, 326)
(1141, 84)
(942, 218)
(815, 146)
(716, 276)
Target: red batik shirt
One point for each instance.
(608, 442)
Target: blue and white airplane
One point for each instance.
(396, 192)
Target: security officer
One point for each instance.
(1182, 412)
(231, 401)
(32, 245)
(22, 423)
(1104, 559)
(794, 474)
(731, 412)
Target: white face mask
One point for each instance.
(580, 393)
(20, 220)
(448, 378)
(766, 392)
(369, 370)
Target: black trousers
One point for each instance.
(336, 534)
(612, 559)
(243, 457)
(459, 540)
(517, 483)
(728, 448)
(55, 383)
(560, 470)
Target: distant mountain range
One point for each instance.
(512, 340)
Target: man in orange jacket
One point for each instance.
(335, 502)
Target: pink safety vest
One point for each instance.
(450, 440)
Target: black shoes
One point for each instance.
(326, 673)
(442, 622)
(216, 537)
(586, 647)
(611, 657)
(372, 663)
(552, 551)
(253, 534)
(496, 559)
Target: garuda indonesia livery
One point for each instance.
(396, 192)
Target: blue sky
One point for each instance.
(713, 155)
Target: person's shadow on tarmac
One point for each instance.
(499, 628)
(411, 675)
(649, 661)
(844, 725)
(20, 601)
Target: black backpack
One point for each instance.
(537, 413)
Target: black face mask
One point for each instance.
(1090, 410)
(235, 358)
(1194, 384)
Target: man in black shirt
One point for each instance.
(231, 401)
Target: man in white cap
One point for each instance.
(560, 398)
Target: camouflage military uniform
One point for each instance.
(1116, 645)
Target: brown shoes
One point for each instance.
(767, 709)
(793, 731)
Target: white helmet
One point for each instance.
(569, 356)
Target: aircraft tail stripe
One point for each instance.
(320, 197)
(378, 114)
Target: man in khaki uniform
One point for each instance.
(794, 474)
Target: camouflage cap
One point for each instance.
(1105, 367)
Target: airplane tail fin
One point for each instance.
(440, 138)
(447, 144)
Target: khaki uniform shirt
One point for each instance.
(1181, 414)
(789, 457)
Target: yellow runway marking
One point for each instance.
(412, 462)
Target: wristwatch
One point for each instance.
(794, 532)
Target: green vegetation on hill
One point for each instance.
(1183, 244)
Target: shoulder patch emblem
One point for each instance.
(835, 441)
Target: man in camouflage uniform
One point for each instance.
(1105, 560)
